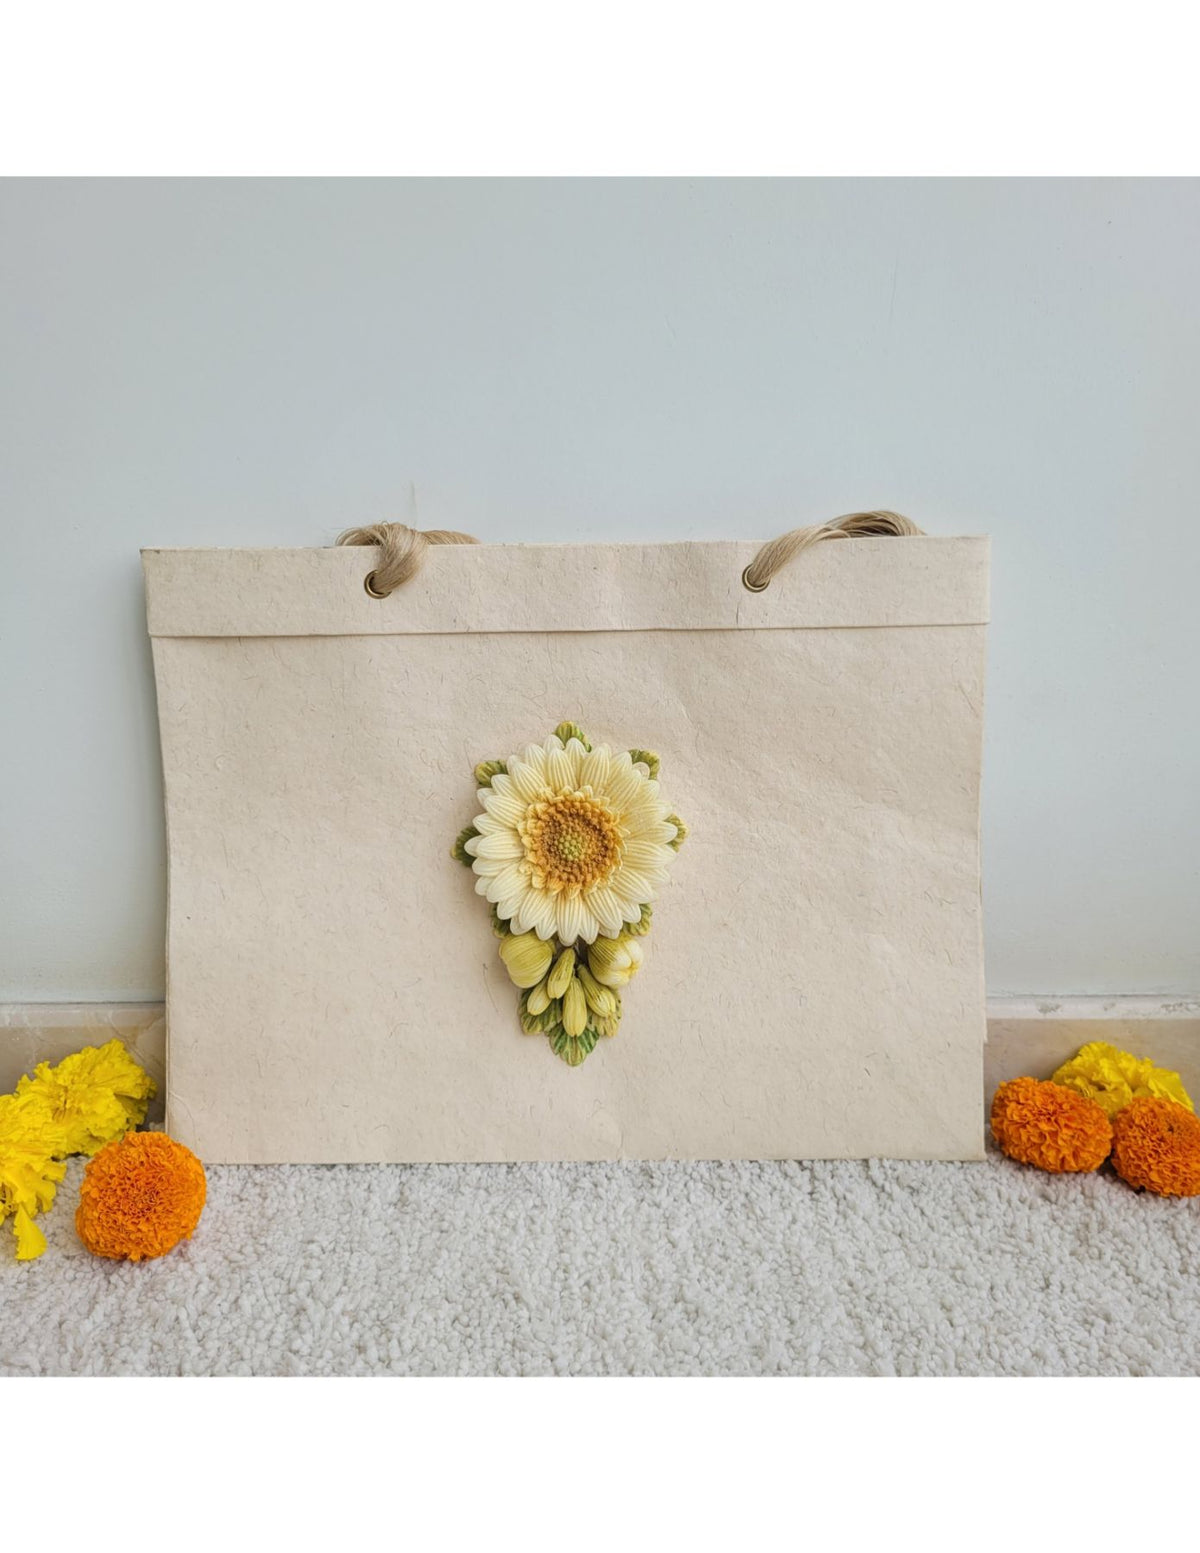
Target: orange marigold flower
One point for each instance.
(140, 1197)
(1043, 1124)
(1156, 1145)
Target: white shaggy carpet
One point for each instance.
(736, 1269)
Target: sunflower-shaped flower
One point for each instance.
(569, 850)
(573, 841)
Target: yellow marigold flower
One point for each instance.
(1113, 1078)
(91, 1097)
(29, 1174)
(140, 1197)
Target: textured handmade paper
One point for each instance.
(813, 983)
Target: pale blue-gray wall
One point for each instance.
(263, 363)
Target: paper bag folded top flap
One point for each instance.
(680, 586)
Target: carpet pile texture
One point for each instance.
(877, 1268)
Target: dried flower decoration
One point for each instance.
(569, 851)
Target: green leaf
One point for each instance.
(573, 1049)
(459, 850)
(500, 927)
(646, 758)
(681, 831)
(546, 1021)
(641, 927)
(486, 770)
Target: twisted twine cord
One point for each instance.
(403, 548)
(777, 553)
(403, 551)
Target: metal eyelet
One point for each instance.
(754, 587)
(369, 585)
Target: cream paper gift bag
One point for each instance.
(336, 722)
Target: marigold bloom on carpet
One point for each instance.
(1156, 1145)
(140, 1197)
(1043, 1124)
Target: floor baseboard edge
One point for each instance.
(1026, 1034)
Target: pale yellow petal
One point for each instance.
(502, 809)
(594, 768)
(528, 781)
(536, 914)
(575, 919)
(630, 885)
(503, 844)
(576, 755)
(625, 783)
(509, 882)
(560, 774)
(606, 909)
(647, 855)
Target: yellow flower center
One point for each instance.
(572, 842)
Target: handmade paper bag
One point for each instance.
(568, 852)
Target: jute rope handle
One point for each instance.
(403, 551)
(777, 553)
(404, 548)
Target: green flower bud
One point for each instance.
(486, 770)
(560, 976)
(568, 731)
(538, 1000)
(646, 758)
(527, 958)
(574, 1008)
(601, 1000)
(543, 1023)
